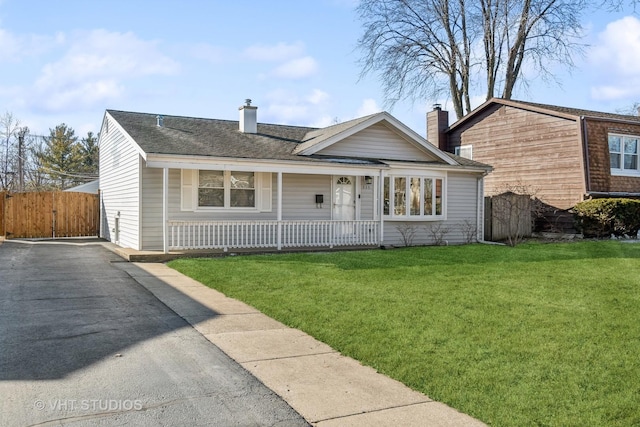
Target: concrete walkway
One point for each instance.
(326, 388)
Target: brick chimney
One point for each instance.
(248, 118)
(437, 122)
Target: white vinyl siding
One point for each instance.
(119, 187)
(299, 197)
(367, 197)
(378, 142)
(152, 231)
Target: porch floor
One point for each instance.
(133, 255)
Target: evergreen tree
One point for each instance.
(89, 149)
(62, 157)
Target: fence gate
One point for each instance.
(50, 214)
(507, 214)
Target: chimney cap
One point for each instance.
(437, 106)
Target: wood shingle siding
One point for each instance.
(537, 151)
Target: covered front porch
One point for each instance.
(314, 207)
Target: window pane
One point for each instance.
(615, 144)
(211, 197)
(400, 196)
(415, 196)
(630, 161)
(438, 197)
(241, 198)
(242, 180)
(428, 196)
(630, 146)
(211, 179)
(386, 196)
(615, 160)
(630, 153)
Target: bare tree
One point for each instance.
(426, 48)
(9, 127)
(37, 178)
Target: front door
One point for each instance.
(344, 201)
(344, 208)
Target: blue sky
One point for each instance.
(67, 61)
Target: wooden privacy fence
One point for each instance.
(2, 196)
(49, 214)
(507, 214)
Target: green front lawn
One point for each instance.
(539, 334)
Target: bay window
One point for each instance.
(413, 197)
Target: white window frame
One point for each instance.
(465, 151)
(407, 216)
(621, 171)
(226, 176)
(190, 184)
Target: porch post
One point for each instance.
(381, 206)
(279, 210)
(165, 210)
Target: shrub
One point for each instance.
(606, 217)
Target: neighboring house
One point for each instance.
(563, 155)
(169, 183)
(87, 187)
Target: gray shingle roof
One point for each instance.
(210, 137)
(222, 138)
(580, 112)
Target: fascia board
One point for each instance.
(258, 165)
(450, 168)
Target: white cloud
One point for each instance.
(318, 97)
(288, 107)
(609, 92)
(616, 59)
(368, 106)
(14, 47)
(95, 68)
(297, 68)
(277, 52)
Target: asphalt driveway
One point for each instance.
(82, 343)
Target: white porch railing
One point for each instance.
(184, 235)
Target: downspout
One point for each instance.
(585, 153)
(480, 211)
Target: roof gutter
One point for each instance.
(612, 194)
